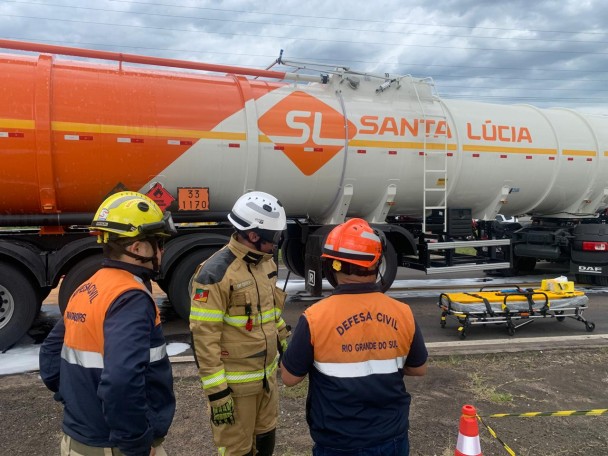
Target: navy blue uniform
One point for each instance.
(354, 345)
(108, 365)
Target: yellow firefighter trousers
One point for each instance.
(71, 447)
(253, 414)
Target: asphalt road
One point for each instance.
(539, 334)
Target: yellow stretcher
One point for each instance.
(514, 307)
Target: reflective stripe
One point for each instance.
(241, 320)
(94, 360)
(235, 321)
(214, 379)
(469, 446)
(252, 376)
(221, 451)
(88, 359)
(268, 315)
(158, 353)
(215, 316)
(201, 314)
(352, 370)
(280, 322)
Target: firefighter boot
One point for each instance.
(264, 443)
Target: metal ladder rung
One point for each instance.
(434, 154)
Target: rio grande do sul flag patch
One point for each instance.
(201, 295)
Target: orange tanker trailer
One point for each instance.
(334, 145)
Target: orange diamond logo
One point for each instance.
(309, 132)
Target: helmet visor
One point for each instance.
(164, 227)
(270, 236)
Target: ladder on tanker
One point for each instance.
(434, 197)
(435, 163)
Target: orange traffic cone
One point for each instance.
(468, 433)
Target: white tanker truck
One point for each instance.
(341, 144)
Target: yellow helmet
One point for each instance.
(130, 215)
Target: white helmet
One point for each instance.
(258, 210)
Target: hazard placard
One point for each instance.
(160, 195)
(193, 198)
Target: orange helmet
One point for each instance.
(354, 241)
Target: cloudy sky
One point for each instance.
(542, 52)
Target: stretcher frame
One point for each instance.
(519, 307)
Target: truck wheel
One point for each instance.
(43, 293)
(292, 253)
(76, 276)
(18, 305)
(178, 291)
(388, 268)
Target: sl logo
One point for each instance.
(309, 131)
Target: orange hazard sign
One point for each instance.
(193, 198)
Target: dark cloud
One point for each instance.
(545, 52)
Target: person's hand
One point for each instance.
(222, 411)
(283, 345)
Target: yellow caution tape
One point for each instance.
(593, 412)
(493, 434)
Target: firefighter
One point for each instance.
(356, 345)
(238, 331)
(106, 360)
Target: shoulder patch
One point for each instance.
(214, 269)
(201, 295)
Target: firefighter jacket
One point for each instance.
(235, 320)
(107, 362)
(354, 346)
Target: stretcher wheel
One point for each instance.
(463, 333)
(510, 330)
(589, 326)
(560, 313)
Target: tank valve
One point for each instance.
(385, 85)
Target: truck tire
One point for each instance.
(389, 266)
(43, 293)
(388, 269)
(179, 283)
(19, 305)
(292, 253)
(78, 274)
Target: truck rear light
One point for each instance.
(595, 246)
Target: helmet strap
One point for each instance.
(257, 244)
(353, 269)
(142, 259)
